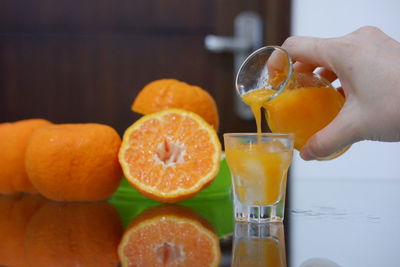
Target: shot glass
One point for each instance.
(259, 164)
(260, 245)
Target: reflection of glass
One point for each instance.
(298, 103)
(169, 235)
(259, 165)
(319, 262)
(259, 245)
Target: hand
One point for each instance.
(366, 62)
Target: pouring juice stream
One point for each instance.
(298, 103)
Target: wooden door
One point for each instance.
(85, 60)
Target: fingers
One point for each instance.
(309, 50)
(341, 132)
(303, 67)
(329, 75)
(309, 53)
(278, 61)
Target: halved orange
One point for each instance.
(169, 235)
(170, 155)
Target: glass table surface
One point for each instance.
(328, 223)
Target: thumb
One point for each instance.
(337, 135)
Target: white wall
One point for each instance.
(322, 18)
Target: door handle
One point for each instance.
(248, 36)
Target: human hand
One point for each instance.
(366, 64)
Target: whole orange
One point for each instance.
(14, 138)
(74, 162)
(170, 93)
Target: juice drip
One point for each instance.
(255, 100)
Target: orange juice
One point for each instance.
(259, 245)
(255, 100)
(301, 111)
(259, 252)
(259, 171)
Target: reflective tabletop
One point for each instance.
(333, 222)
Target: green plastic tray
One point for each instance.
(213, 203)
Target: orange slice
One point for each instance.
(171, 155)
(170, 93)
(169, 235)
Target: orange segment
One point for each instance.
(169, 236)
(171, 155)
(170, 93)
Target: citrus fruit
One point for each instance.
(16, 212)
(73, 234)
(74, 162)
(169, 235)
(170, 93)
(14, 138)
(170, 155)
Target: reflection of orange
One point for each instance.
(170, 93)
(170, 155)
(169, 236)
(14, 138)
(73, 234)
(74, 162)
(15, 214)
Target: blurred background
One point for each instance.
(85, 61)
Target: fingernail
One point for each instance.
(306, 154)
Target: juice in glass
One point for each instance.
(258, 164)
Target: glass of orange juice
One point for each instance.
(258, 164)
(259, 245)
(298, 103)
